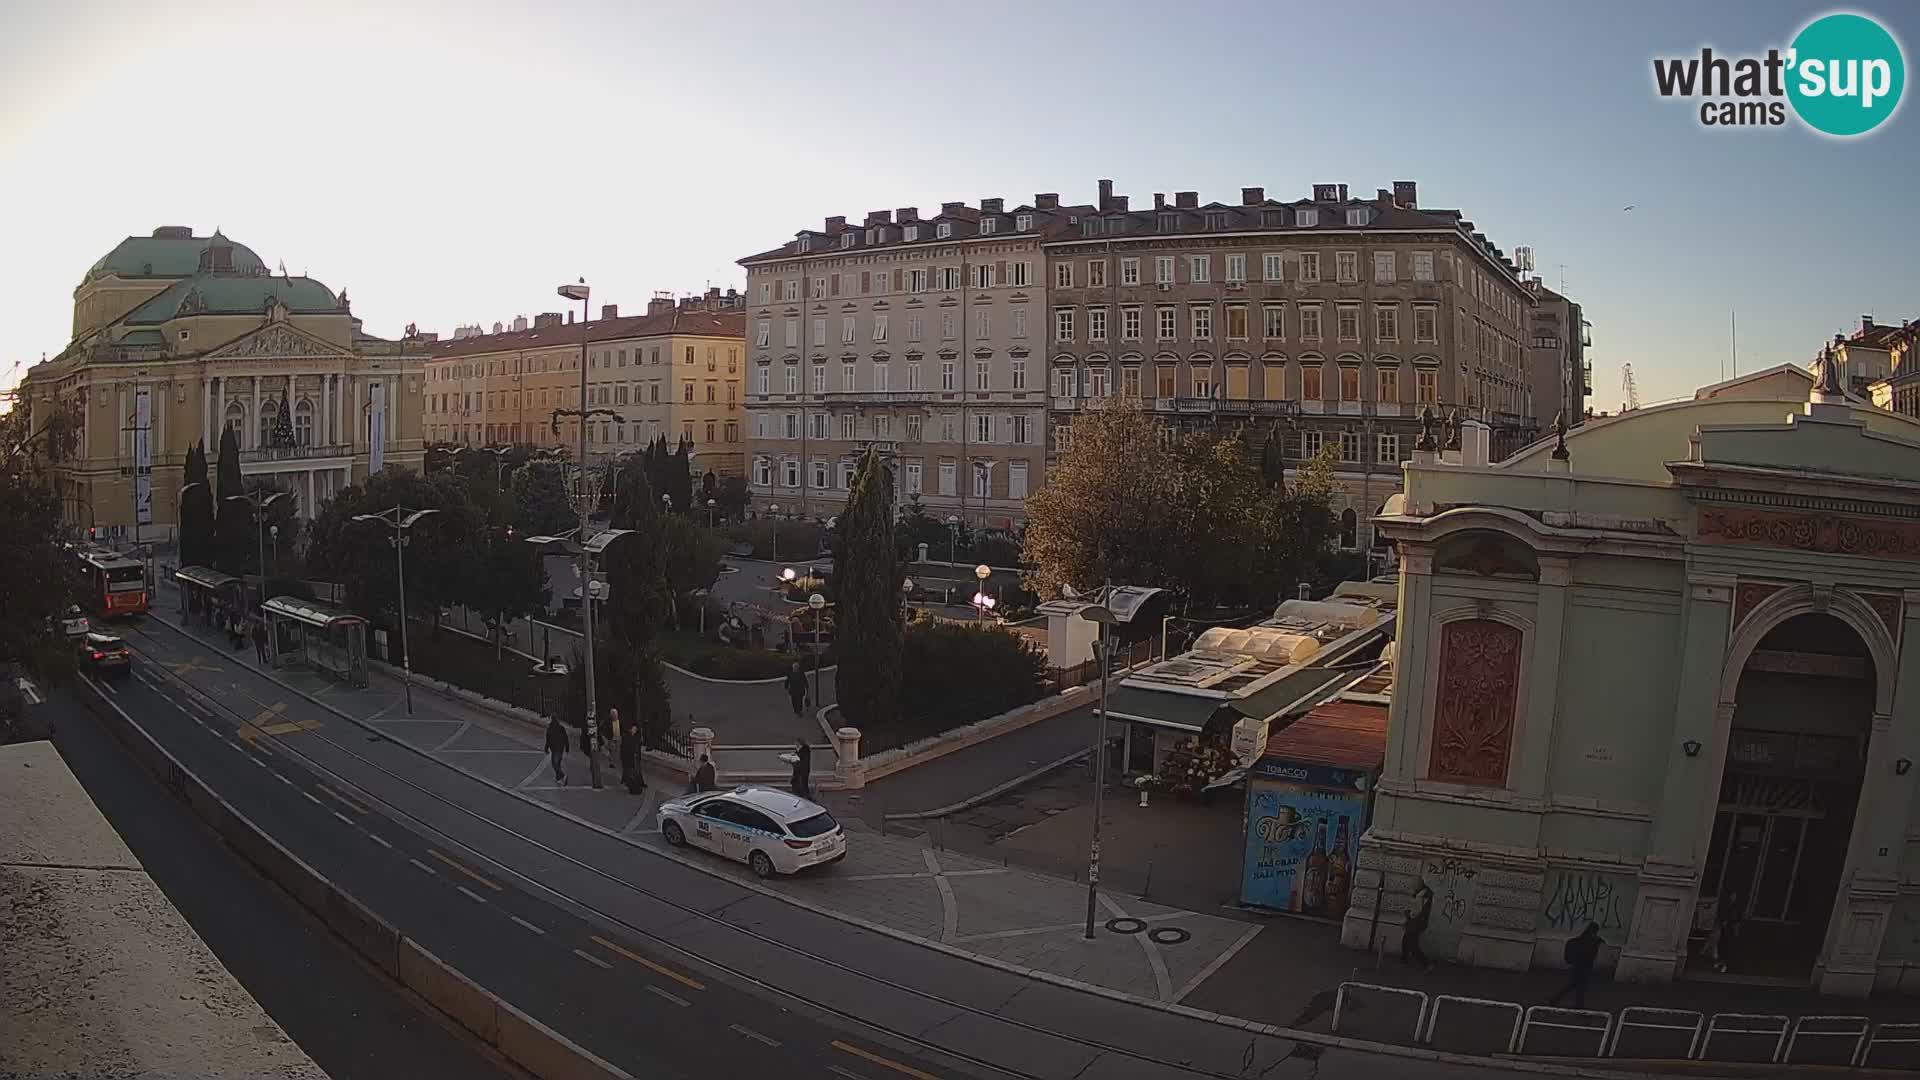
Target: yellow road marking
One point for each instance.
(253, 729)
(462, 868)
(905, 1070)
(198, 663)
(351, 804)
(292, 726)
(683, 980)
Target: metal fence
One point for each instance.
(1081, 674)
(1488, 1026)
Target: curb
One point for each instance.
(1313, 1038)
(991, 793)
(523, 1040)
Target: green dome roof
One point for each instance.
(172, 251)
(234, 294)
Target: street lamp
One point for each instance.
(590, 591)
(712, 505)
(906, 590)
(666, 503)
(981, 601)
(259, 500)
(819, 604)
(774, 510)
(399, 520)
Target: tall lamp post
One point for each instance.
(590, 591)
(258, 501)
(981, 601)
(400, 521)
(1116, 607)
(773, 509)
(819, 605)
(712, 505)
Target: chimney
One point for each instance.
(907, 215)
(993, 206)
(569, 316)
(1106, 194)
(1866, 323)
(836, 223)
(948, 209)
(1383, 197)
(661, 304)
(609, 311)
(1252, 196)
(1407, 194)
(497, 328)
(1326, 192)
(543, 320)
(1046, 200)
(519, 323)
(1159, 200)
(1343, 193)
(880, 217)
(1120, 203)
(1186, 200)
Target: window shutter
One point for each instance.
(899, 280)
(999, 273)
(866, 283)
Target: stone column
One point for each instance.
(308, 511)
(848, 768)
(253, 422)
(1543, 681)
(1683, 822)
(699, 745)
(206, 411)
(323, 420)
(1408, 712)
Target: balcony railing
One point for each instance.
(294, 453)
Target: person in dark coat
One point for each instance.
(557, 750)
(802, 769)
(703, 777)
(1417, 915)
(630, 759)
(797, 690)
(260, 640)
(1580, 954)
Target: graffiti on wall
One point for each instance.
(1575, 898)
(1452, 883)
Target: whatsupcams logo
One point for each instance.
(1842, 76)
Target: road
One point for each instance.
(588, 932)
(352, 1020)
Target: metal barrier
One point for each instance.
(1433, 1015)
(1747, 1024)
(1532, 1020)
(1857, 1034)
(1340, 1001)
(1910, 1036)
(1629, 1017)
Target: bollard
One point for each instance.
(847, 768)
(700, 744)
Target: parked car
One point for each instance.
(772, 831)
(105, 654)
(74, 623)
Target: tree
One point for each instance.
(959, 673)
(866, 578)
(234, 543)
(732, 497)
(283, 423)
(1100, 516)
(38, 582)
(690, 557)
(196, 510)
(680, 476)
(442, 553)
(540, 503)
(512, 582)
(636, 603)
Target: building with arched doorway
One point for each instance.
(1662, 674)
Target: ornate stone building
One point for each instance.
(1661, 675)
(177, 337)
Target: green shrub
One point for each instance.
(717, 660)
(953, 674)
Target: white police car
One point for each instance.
(772, 831)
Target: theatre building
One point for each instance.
(1662, 674)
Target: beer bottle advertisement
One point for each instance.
(1281, 853)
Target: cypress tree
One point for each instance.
(233, 521)
(196, 510)
(866, 581)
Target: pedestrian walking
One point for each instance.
(610, 734)
(1417, 914)
(1579, 954)
(260, 640)
(557, 750)
(802, 769)
(797, 689)
(703, 777)
(630, 759)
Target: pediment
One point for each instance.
(277, 340)
(1839, 449)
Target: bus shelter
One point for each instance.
(207, 595)
(320, 636)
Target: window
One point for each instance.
(710, 362)
(1129, 271)
(1020, 322)
(819, 378)
(1018, 274)
(1310, 444)
(880, 379)
(1063, 437)
(1346, 266)
(949, 278)
(1202, 316)
(762, 472)
(917, 280)
(874, 283)
(1236, 322)
(1349, 449)
(1097, 324)
(1383, 266)
(983, 374)
(1310, 322)
(1020, 428)
(846, 475)
(793, 378)
(1310, 266)
(1307, 218)
(1169, 222)
(982, 480)
(1270, 266)
(1166, 321)
(303, 423)
(1063, 275)
(914, 420)
(1063, 324)
(820, 475)
(733, 360)
(819, 331)
(1096, 273)
(1273, 321)
(1388, 452)
(983, 324)
(946, 478)
(1216, 220)
(793, 333)
(1310, 374)
(790, 473)
(791, 290)
(1203, 381)
(946, 375)
(1426, 386)
(1023, 222)
(1130, 381)
(766, 292)
(912, 473)
(710, 431)
(1064, 384)
(1200, 269)
(686, 391)
(983, 275)
(1347, 322)
(1389, 388)
(988, 225)
(946, 326)
(1098, 381)
(983, 427)
(880, 328)
(1130, 324)
(1356, 217)
(913, 374)
(1386, 322)
(1423, 266)
(1425, 324)
(914, 326)
(1017, 480)
(847, 377)
(1236, 269)
(1349, 382)
(1163, 269)
(1163, 384)
(1019, 374)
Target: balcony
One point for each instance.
(294, 453)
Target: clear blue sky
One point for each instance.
(453, 162)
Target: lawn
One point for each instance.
(470, 664)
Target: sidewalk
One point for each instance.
(976, 770)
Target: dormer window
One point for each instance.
(806, 242)
(846, 239)
(1216, 220)
(1169, 222)
(1309, 217)
(943, 230)
(1357, 216)
(873, 236)
(1023, 222)
(1271, 219)
(913, 232)
(987, 225)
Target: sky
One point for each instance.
(452, 163)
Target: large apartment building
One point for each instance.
(1327, 321)
(1560, 337)
(677, 371)
(923, 337)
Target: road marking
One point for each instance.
(591, 959)
(198, 663)
(109, 687)
(949, 905)
(470, 894)
(381, 840)
(675, 998)
(1216, 964)
(684, 980)
(283, 779)
(524, 923)
(457, 732)
(309, 796)
(351, 805)
(461, 867)
(838, 1071)
(342, 817)
(887, 1063)
(535, 774)
(423, 866)
(1162, 980)
(755, 1036)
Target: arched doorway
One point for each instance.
(1796, 755)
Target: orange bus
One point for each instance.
(113, 583)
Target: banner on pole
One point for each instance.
(143, 456)
(376, 426)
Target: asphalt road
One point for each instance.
(352, 1020)
(652, 964)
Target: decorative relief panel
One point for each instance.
(1749, 596)
(278, 339)
(1888, 608)
(1476, 701)
(1823, 533)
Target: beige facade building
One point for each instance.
(677, 371)
(1559, 338)
(922, 337)
(1329, 321)
(177, 337)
